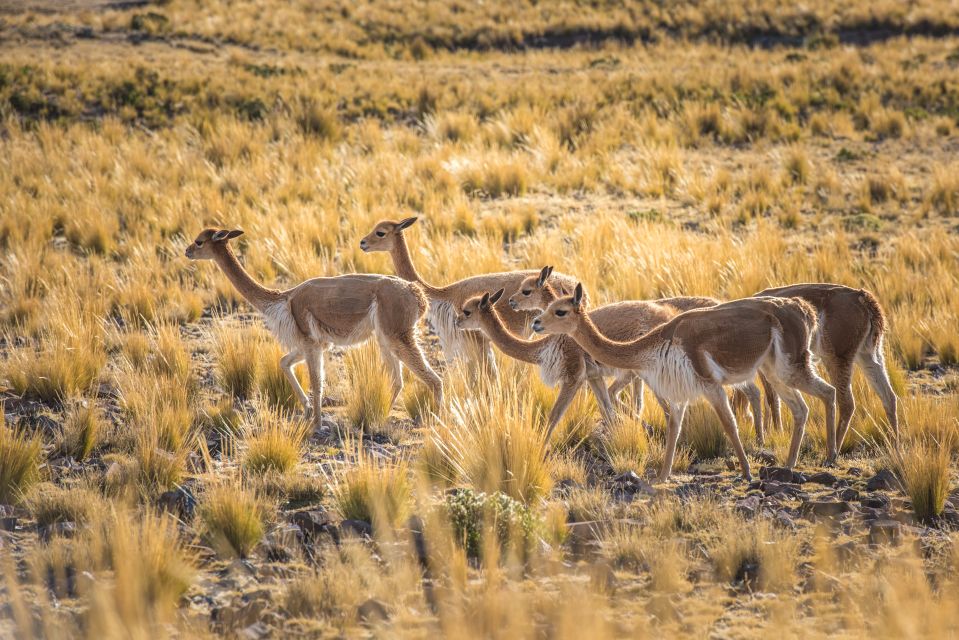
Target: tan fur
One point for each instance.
(851, 329)
(388, 236)
(699, 352)
(321, 312)
(536, 293)
(572, 367)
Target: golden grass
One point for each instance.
(625, 445)
(233, 518)
(273, 443)
(83, 430)
(369, 389)
(923, 466)
(374, 492)
(20, 458)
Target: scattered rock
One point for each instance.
(784, 520)
(781, 474)
(313, 522)
(584, 531)
(875, 501)
(58, 529)
(748, 506)
(826, 508)
(766, 457)
(854, 471)
(884, 532)
(772, 488)
(8, 523)
(179, 501)
(415, 526)
(373, 611)
(691, 490)
(356, 528)
(885, 480)
(564, 486)
(847, 494)
(949, 517)
(256, 631)
(235, 616)
(627, 485)
(823, 477)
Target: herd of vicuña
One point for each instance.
(684, 348)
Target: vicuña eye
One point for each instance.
(561, 313)
(467, 313)
(380, 234)
(526, 293)
(199, 243)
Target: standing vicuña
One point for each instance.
(627, 321)
(699, 352)
(446, 301)
(850, 329)
(322, 312)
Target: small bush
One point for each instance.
(233, 519)
(50, 504)
(236, 361)
(474, 516)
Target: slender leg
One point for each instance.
(287, 363)
(840, 374)
(720, 401)
(393, 366)
(809, 382)
(620, 382)
(676, 414)
(772, 401)
(752, 393)
(598, 387)
(639, 389)
(567, 392)
(407, 349)
(874, 366)
(315, 363)
(800, 411)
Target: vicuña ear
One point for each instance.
(496, 296)
(234, 234)
(485, 301)
(220, 236)
(408, 222)
(543, 275)
(578, 294)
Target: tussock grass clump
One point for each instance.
(233, 518)
(923, 467)
(755, 554)
(496, 443)
(625, 445)
(369, 388)
(374, 492)
(703, 434)
(56, 371)
(82, 430)
(49, 503)
(274, 443)
(418, 400)
(20, 457)
(237, 364)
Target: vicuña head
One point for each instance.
(470, 315)
(563, 315)
(384, 234)
(534, 293)
(204, 247)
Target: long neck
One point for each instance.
(508, 342)
(254, 293)
(403, 264)
(636, 354)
